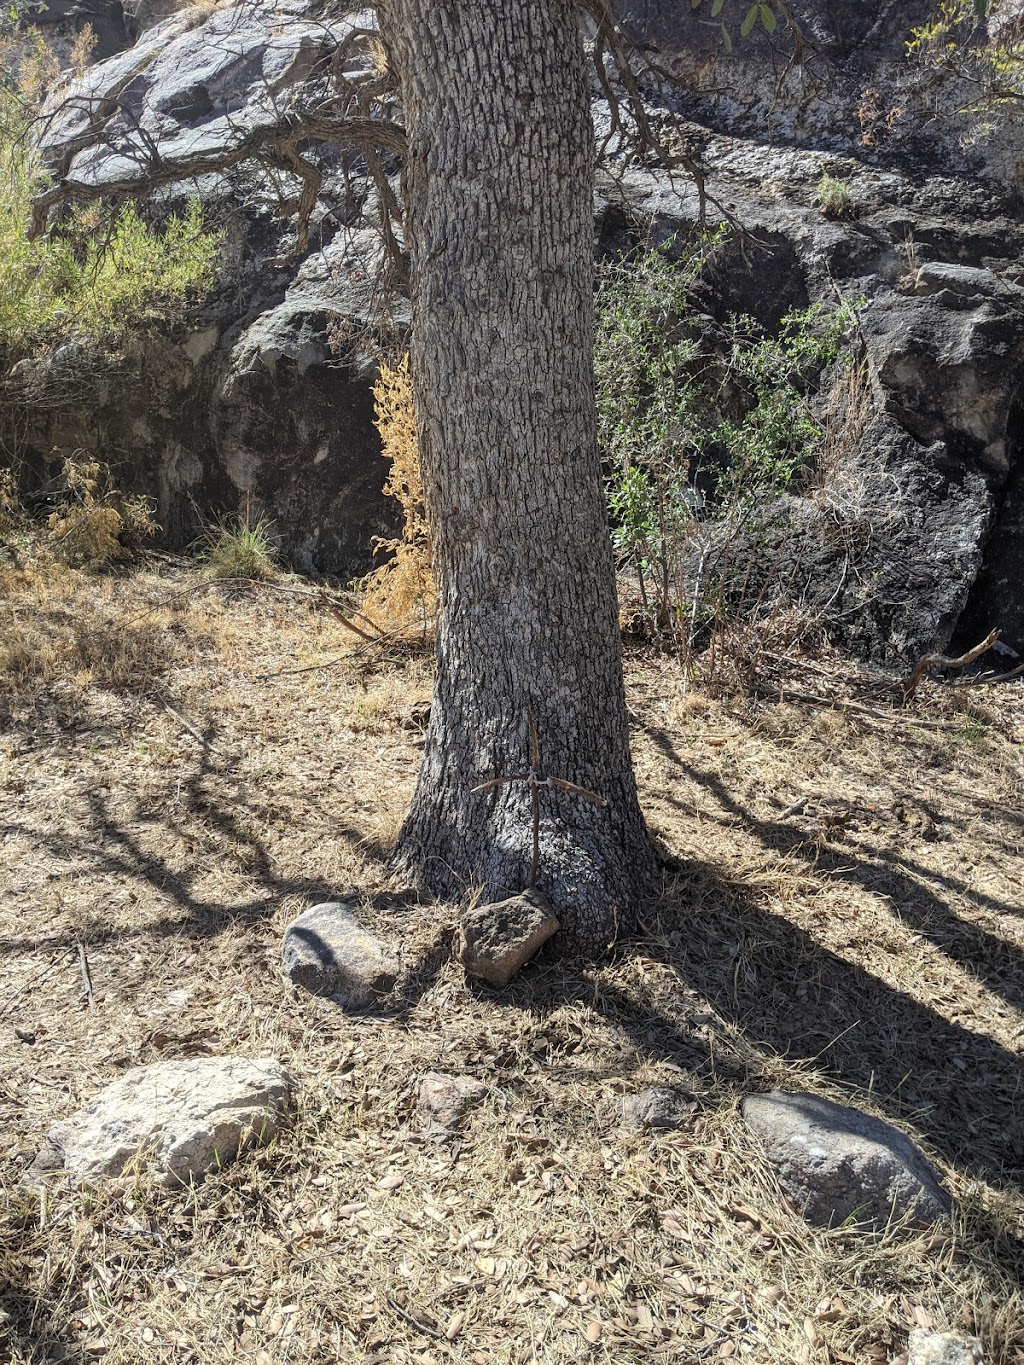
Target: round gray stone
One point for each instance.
(328, 952)
(840, 1166)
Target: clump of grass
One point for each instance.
(241, 547)
(63, 631)
(833, 198)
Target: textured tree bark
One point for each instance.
(500, 229)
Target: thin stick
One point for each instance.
(535, 779)
(535, 813)
(418, 1323)
(587, 795)
(306, 668)
(498, 782)
(173, 711)
(786, 694)
(992, 678)
(534, 739)
(83, 962)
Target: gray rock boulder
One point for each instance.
(262, 400)
(943, 1348)
(840, 1166)
(657, 1108)
(179, 1119)
(500, 938)
(328, 952)
(444, 1100)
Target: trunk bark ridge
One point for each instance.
(500, 230)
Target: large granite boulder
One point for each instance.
(843, 1167)
(178, 1119)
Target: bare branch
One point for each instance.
(278, 140)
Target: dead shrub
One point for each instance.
(400, 598)
(94, 523)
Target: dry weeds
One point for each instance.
(841, 912)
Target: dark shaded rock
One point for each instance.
(444, 1101)
(262, 403)
(657, 1108)
(328, 952)
(180, 1119)
(499, 939)
(943, 1348)
(840, 1166)
(911, 542)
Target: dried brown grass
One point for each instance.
(865, 945)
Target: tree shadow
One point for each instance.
(776, 993)
(212, 796)
(895, 875)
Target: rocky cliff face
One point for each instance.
(918, 543)
(265, 404)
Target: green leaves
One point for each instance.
(696, 419)
(762, 11)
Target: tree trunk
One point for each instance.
(499, 210)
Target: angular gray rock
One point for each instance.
(943, 1348)
(444, 1100)
(500, 938)
(328, 952)
(840, 1166)
(657, 1108)
(180, 1119)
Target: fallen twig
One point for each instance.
(943, 661)
(890, 717)
(83, 962)
(320, 596)
(990, 678)
(413, 1321)
(173, 711)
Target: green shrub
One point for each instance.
(101, 272)
(665, 375)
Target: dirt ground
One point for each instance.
(842, 912)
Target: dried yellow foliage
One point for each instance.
(95, 523)
(400, 598)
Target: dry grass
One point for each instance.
(865, 944)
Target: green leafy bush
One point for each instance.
(698, 423)
(101, 272)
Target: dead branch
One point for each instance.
(943, 661)
(277, 139)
